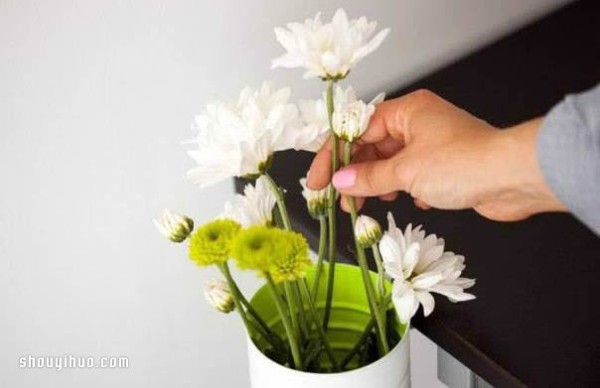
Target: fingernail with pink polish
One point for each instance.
(344, 179)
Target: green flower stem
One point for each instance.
(276, 342)
(380, 281)
(317, 321)
(332, 207)
(380, 271)
(283, 313)
(364, 336)
(256, 316)
(359, 344)
(313, 350)
(278, 192)
(236, 300)
(320, 255)
(362, 262)
(240, 302)
(293, 309)
(304, 330)
(296, 313)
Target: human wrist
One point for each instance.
(519, 170)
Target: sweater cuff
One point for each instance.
(568, 150)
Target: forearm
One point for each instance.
(568, 150)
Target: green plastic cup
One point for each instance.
(350, 311)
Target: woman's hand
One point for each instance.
(444, 158)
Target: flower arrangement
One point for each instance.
(254, 230)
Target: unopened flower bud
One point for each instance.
(317, 201)
(175, 227)
(219, 296)
(367, 231)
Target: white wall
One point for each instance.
(94, 99)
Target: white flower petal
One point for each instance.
(426, 300)
(464, 283)
(340, 21)
(415, 306)
(395, 232)
(389, 249)
(377, 99)
(429, 258)
(209, 175)
(411, 257)
(370, 47)
(404, 301)
(452, 292)
(462, 297)
(426, 244)
(447, 264)
(393, 270)
(433, 253)
(426, 280)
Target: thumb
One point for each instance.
(369, 179)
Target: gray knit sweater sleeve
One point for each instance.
(568, 148)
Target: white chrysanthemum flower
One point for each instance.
(419, 266)
(328, 50)
(239, 139)
(317, 201)
(367, 231)
(345, 105)
(255, 207)
(218, 295)
(174, 226)
(351, 121)
(316, 124)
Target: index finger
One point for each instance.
(385, 122)
(319, 174)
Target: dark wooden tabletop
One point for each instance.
(536, 319)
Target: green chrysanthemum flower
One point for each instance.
(211, 244)
(290, 259)
(253, 248)
(282, 254)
